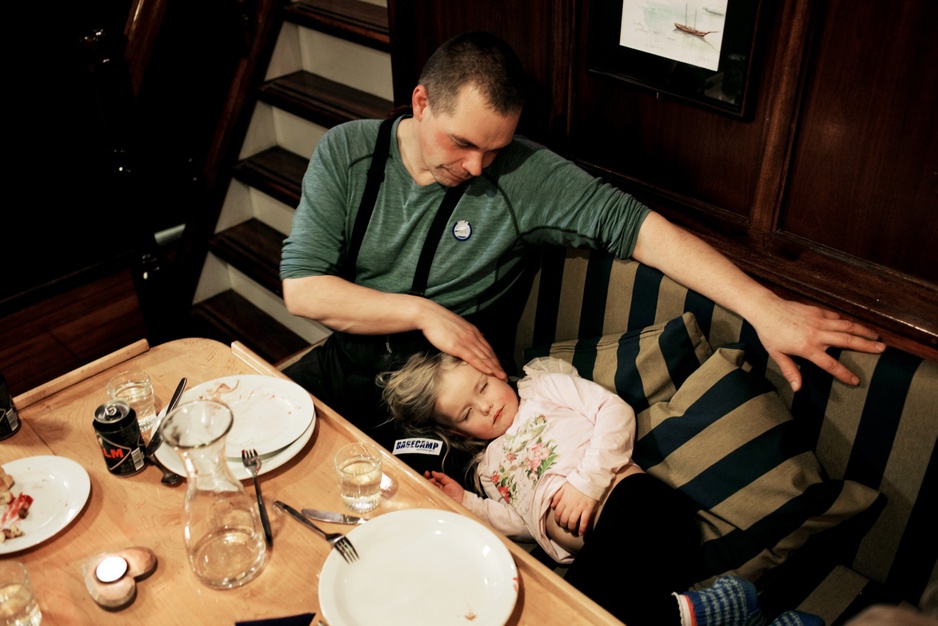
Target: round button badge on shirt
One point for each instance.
(462, 230)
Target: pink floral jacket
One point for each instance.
(567, 429)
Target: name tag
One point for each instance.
(418, 445)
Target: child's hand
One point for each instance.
(573, 509)
(449, 486)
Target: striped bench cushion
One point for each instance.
(643, 366)
(882, 433)
(727, 442)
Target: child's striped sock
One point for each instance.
(731, 601)
(797, 618)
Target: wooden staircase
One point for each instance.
(330, 64)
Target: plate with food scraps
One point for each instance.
(420, 567)
(269, 413)
(58, 487)
(271, 461)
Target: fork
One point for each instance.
(338, 541)
(252, 462)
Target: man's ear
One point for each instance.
(420, 100)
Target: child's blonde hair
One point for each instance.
(410, 394)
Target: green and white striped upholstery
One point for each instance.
(881, 433)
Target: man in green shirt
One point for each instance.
(387, 287)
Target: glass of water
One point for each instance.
(18, 605)
(358, 466)
(134, 388)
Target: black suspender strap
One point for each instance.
(367, 206)
(453, 194)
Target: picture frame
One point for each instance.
(696, 51)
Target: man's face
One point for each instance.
(475, 404)
(457, 146)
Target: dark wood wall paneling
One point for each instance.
(827, 192)
(662, 146)
(864, 175)
(538, 30)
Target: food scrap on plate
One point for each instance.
(17, 507)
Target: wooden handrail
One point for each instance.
(88, 370)
(256, 362)
(144, 21)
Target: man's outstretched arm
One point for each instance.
(786, 328)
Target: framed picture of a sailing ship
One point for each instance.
(699, 51)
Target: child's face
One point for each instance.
(474, 404)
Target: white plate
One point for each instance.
(59, 488)
(269, 413)
(420, 567)
(168, 457)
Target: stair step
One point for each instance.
(279, 172)
(321, 100)
(275, 171)
(353, 20)
(253, 248)
(229, 317)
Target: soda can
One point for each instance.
(118, 433)
(9, 418)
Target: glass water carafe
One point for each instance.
(224, 538)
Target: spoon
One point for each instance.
(170, 477)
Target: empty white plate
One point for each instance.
(420, 567)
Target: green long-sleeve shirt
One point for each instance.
(529, 196)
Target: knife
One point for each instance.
(335, 518)
(157, 437)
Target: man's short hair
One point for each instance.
(482, 60)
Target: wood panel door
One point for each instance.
(864, 170)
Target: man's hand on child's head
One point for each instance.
(452, 334)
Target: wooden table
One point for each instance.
(138, 510)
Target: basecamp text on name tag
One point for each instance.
(418, 445)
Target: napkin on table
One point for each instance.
(304, 619)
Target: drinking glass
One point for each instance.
(18, 605)
(224, 537)
(135, 388)
(358, 466)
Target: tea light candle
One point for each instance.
(111, 577)
(111, 569)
